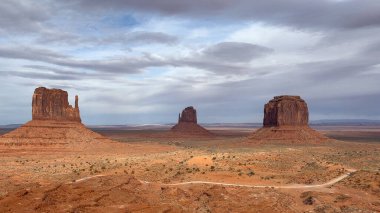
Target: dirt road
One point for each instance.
(292, 186)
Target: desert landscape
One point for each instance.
(178, 106)
(54, 164)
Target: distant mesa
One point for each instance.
(53, 104)
(286, 119)
(54, 123)
(187, 124)
(189, 115)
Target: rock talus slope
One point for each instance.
(286, 120)
(187, 124)
(54, 123)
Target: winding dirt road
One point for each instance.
(292, 186)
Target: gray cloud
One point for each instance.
(222, 58)
(226, 58)
(53, 44)
(149, 37)
(124, 39)
(30, 53)
(298, 13)
(40, 75)
(372, 50)
(22, 16)
(333, 70)
(235, 52)
(125, 65)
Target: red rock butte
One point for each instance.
(286, 111)
(53, 104)
(54, 123)
(286, 120)
(187, 124)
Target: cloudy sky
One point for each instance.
(140, 61)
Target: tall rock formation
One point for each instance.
(286, 120)
(286, 111)
(53, 104)
(189, 114)
(187, 124)
(55, 124)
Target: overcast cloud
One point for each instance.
(137, 61)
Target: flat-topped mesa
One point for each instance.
(286, 111)
(53, 104)
(189, 114)
(286, 121)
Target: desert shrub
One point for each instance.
(251, 173)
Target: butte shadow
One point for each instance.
(286, 120)
(54, 123)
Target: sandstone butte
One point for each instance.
(187, 124)
(53, 104)
(286, 120)
(54, 123)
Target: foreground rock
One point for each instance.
(54, 123)
(187, 124)
(286, 120)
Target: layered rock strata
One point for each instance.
(286, 111)
(54, 123)
(286, 120)
(53, 104)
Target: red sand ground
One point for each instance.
(41, 178)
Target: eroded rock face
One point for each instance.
(187, 124)
(189, 114)
(286, 111)
(53, 104)
(286, 121)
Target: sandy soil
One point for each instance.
(135, 175)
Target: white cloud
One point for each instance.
(280, 38)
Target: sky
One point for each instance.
(139, 61)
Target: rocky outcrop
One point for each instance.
(286, 121)
(189, 114)
(187, 124)
(286, 111)
(55, 124)
(53, 104)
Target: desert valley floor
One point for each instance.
(151, 171)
